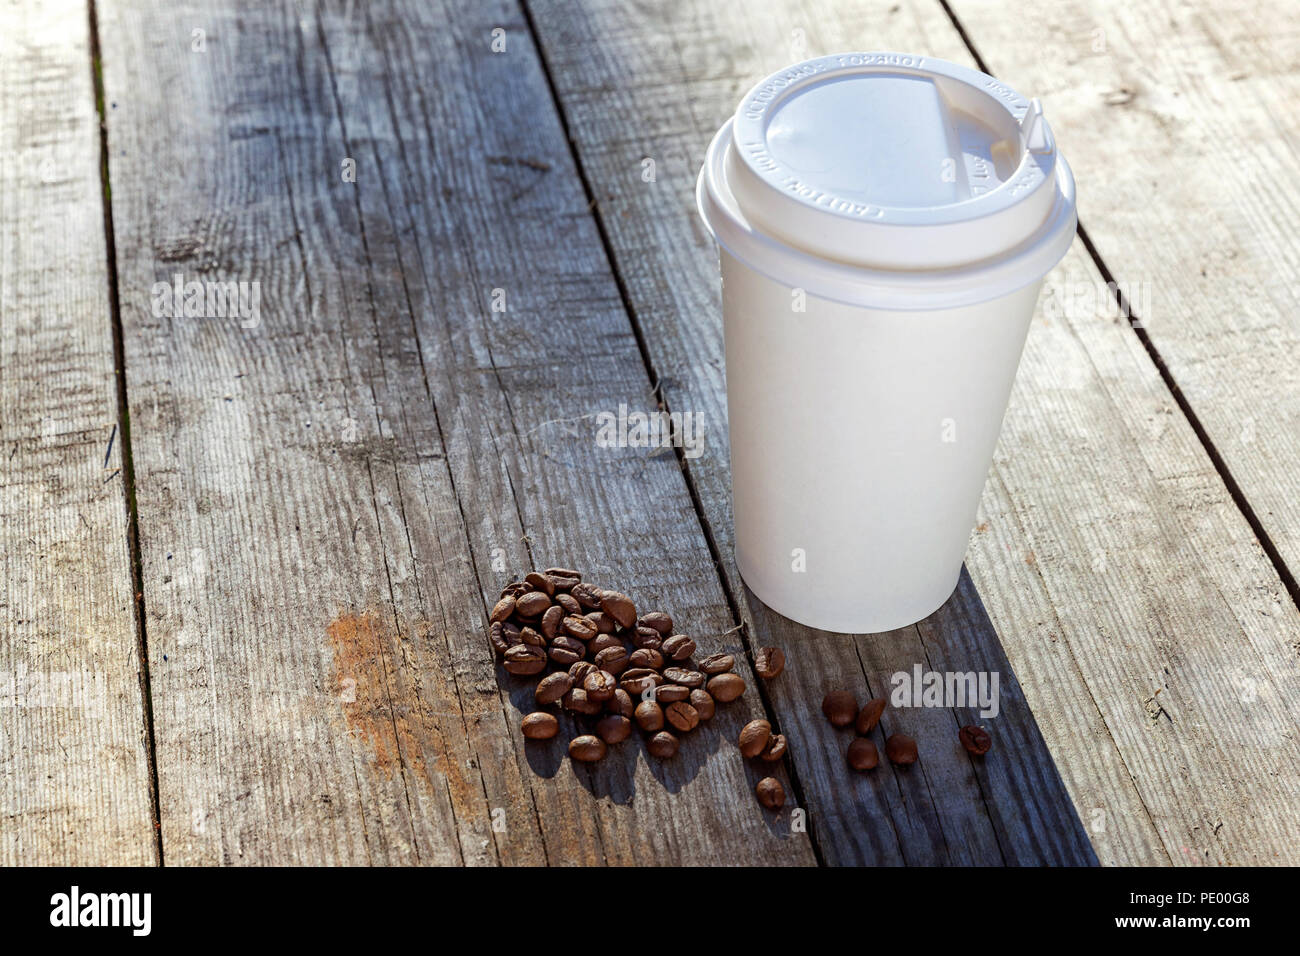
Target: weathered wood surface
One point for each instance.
(324, 497)
(1149, 632)
(74, 776)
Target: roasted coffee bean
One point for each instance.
(649, 716)
(900, 749)
(862, 754)
(671, 693)
(753, 737)
(637, 680)
(540, 726)
(621, 703)
(564, 573)
(552, 687)
(678, 647)
(604, 623)
(578, 627)
(532, 604)
(869, 716)
(551, 621)
(566, 651)
(503, 609)
(645, 657)
(618, 606)
(770, 793)
(976, 740)
(524, 659)
(717, 664)
(658, 620)
(600, 685)
(687, 678)
(577, 701)
(515, 588)
(510, 631)
(775, 748)
(703, 704)
(587, 748)
(662, 744)
(561, 585)
(682, 716)
(579, 670)
(840, 708)
(613, 729)
(497, 636)
(569, 603)
(588, 595)
(769, 662)
(724, 688)
(603, 642)
(540, 582)
(528, 636)
(647, 638)
(613, 659)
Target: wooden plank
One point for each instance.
(74, 774)
(1110, 558)
(330, 499)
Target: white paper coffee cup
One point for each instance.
(885, 222)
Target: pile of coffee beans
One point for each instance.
(596, 658)
(841, 709)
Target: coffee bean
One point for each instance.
(646, 657)
(678, 647)
(682, 716)
(540, 582)
(497, 637)
(618, 606)
(869, 716)
(561, 584)
(587, 749)
(613, 659)
(551, 621)
(637, 680)
(900, 749)
(511, 632)
(649, 716)
(724, 688)
(565, 650)
(579, 670)
(570, 605)
(532, 604)
(563, 573)
(769, 662)
(540, 726)
(515, 588)
(671, 693)
(588, 595)
(577, 701)
(658, 620)
(600, 685)
(524, 659)
(687, 678)
(840, 708)
(503, 609)
(862, 754)
(976, 740)
(621, 704)
(552, 687)
(602, 642)
(662, 744)
(604, 623)
(753, 737)
(528, 636)
(703, 704)
(770, 793)
(717, 663)
(775, 748)
(647, 638)
(578, 627)
(613, 729)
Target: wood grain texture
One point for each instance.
(331, 497)
(1151, 638)
(74, 776)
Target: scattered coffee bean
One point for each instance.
(613, 729)
(649, 716)
(540, 726)
(900, 749)
(564, 573)
(528, 636)
(532, 604)
(551, 621)
(703, 704)
(552, 687)
(579, 627)
(541, 582)
(618, 606)
(724, 688)
(678, 647)
(658, 620)
(587, 748)
(600, 685)
(687, 678)
(862, 754)
(637, 680)
(612, 659)
(588, 595)
(524, 659)
(502, 610)
(671, 693)
(770, 793)
(621, 704)
(604, 642)
(565, 651)
(578, 701)
(569, 603)
(647, 638)
(769, 662)
(579, 670)
(869, 716)
(515, 588)
(753, 737)
(662, 744)
(646, 657)
(775, 748)
(975, 739)
(496, 634)
(840, 708)
(682, 716)
(604, 623)
(717, 664)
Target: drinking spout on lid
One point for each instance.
(1034, 130)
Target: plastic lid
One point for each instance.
(888, 163)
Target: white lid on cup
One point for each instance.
(889, 180)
